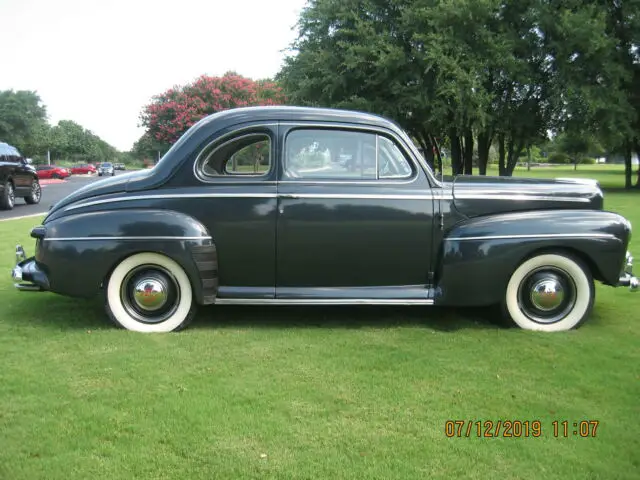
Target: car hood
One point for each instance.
(481, 195)
(127, 182)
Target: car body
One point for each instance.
(17, 178)
(83, 169)
(119, 166)
(53, 171)
(309, 206)
(106, 168)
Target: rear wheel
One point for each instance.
(149, 292)
(35, 195)
(8, 197)
(549, 292)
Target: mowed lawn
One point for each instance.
(314, 392)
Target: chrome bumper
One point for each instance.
(626, 278)
(27, 274)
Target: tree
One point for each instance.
(471, 71)
(171, 113)
(22, 116)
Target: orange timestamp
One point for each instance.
(520, 428)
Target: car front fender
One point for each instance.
(79, 251)
(477, 256)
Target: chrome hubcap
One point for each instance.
(12, 195)
(547, 294)
(150, 294)
(35, 190)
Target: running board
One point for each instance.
(323, 301)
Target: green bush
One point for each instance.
(559, 158)
(588, 161)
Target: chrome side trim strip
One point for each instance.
(322, 301)
(429, 196)
(150, 237)
(550, 198)
(363, 196)
(172, 195)
(541, 235)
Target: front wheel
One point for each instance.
(8, 196)
(550, 292)
(149, 292)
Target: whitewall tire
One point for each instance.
(550, 292)
(148, 292)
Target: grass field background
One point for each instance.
(336, 393)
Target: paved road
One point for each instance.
(51, 193)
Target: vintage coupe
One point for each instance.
(293, 205)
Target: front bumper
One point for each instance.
(27, 275)
(626, 278)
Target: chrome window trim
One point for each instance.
(224, 139)
(322, 301)
(534, 235)
(150, 237)
(357, 127)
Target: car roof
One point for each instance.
(296, 113)
(6, 149)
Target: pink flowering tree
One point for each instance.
(171, 113)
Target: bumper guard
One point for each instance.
(626, 278)
(27, 274)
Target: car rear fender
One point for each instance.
(477, 256)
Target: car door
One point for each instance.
(23, 177)
(237, 180)
(355, 215)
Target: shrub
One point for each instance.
(559, 157)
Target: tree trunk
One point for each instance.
(468, 152)
(637, 142)
(528, 158)
(484, 145)
(456, 154)
(514, 152)
(502, 168)
(627, 165)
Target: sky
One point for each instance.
(99, 62)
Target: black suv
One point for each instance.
(17, 178)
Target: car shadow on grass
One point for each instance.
(57, 312)
(349, 317)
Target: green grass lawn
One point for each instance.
(312, 392)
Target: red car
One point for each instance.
(83, 169)
(52, 171)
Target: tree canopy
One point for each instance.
(473, 73)
(171, 113)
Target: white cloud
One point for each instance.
(99, 63)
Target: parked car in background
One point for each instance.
(248, 208)
(52, 171)
(83, 169)
(17, 178)
(106, 168)
(119, 166)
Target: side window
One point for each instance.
(330, 154)
(391, 161)
(248, 154)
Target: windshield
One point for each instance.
(106, 164)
